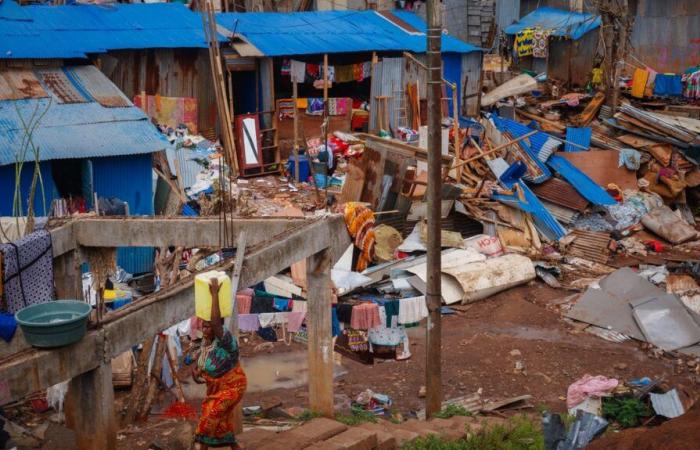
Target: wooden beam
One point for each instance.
(320, 339)
(90, 409)
(178, 231)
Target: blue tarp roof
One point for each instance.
(73, 31)
(317, 32)
(563, 23)
(77, 130)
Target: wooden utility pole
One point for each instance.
(616, 26)
(433, 367)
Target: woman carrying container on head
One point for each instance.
(219, 368)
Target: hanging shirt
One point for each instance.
(412, 310)
(386, 334)
(524, 42)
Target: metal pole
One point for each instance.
(433, 369)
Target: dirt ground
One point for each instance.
(479, 353)
(481, 345)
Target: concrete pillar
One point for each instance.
(90, 410)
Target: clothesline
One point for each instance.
(302, 72)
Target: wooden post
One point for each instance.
(90, 409)
(295, 147)
(433, 360)
(325, 77)
(320, 339)
(233, 321)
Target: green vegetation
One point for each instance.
(356, 417)
(627, 411)
(519, 433)
(308, 415)
(453, 410)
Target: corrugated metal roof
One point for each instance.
(563, 23)
(580, 136)
(77, 130)
(73, 31)
(591, 245)
(560, 193)
(317, 32)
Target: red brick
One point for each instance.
(355, 439)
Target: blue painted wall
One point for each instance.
(129, 178)
(7, 188)
(452, 72)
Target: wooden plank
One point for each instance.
(320, 341)
(90, 409)
(180, 231)
(589, 113)
(138, 391)
(354, 182)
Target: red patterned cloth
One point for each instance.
(216, 425)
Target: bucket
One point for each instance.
(303, 167)
(54, 324)
(202, 296)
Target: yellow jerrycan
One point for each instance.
(202, 296)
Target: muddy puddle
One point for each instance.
(270, 371)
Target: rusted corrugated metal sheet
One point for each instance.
(590, 245)
(666, 35)
(60, 86)
(170, 73)
(20, 84)
(560, 193)
(99, 87)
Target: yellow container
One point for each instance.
(202, 296)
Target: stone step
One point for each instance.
(420, 427)
(385, 440)
(448, 428)
(352, 439)
(401, 436)
(315, 430)
(255, 437)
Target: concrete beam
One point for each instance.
(188, 232)
(136, 322)
(33, 369)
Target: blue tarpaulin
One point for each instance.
(569, 24)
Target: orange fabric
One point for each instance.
(216, 425)
(639, 82)
(360, 222)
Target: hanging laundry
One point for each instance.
(262, 305)
(366, 70)
(299, 306)
(412, 310)
(360, 223)
(248, 322)
(295, 320)
(540, 43)
(339, 106)
(270, 319)
(281, 304)
(314, 106)
(243, 303)
(365, 316)
(286, 66)
(28, 271)
(391, 309)
(344, 312)
(297, 71)
(335, 325)
(668, 85)
(692, 84)
(312, 72)
(386, 334)
(524, 42)
(357, 341)
(344, 74)
(639, 82)
(331, 74)
(651, 81)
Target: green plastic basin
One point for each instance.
(54, 324)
